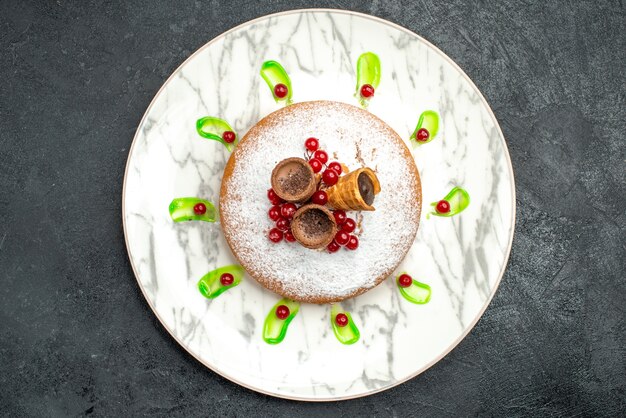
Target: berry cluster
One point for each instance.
(318, 159)
(282, 212)
(344, 236)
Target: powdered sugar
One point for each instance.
(357, 139)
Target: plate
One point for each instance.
(462, 258)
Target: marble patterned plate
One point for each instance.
(461, 258)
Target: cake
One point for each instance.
(386, 227)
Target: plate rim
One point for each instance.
(472, 323)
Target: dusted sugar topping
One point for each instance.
(356, 138)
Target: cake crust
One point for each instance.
(243, 209)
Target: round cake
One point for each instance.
(357, 139)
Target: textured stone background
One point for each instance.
(76, 335)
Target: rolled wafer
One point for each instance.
(354, 191)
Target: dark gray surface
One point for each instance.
(76, 335)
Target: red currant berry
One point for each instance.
(349, 225)
(342, 238)
(330, 177)
(274, 213)
(367, 90)
(443, 206)
(227, 279)
(422, 135)
(335, 166)
(228, 137)
(280, 91)
(316, 165)
(341, 320)
(340, 216)
(287, 210)
(333, 247)
(199, 209)
(282, 312)
(282, 224)
(275, 235)
(405, 280)
(353, 243)
(312, 144)
(289, 236)
(320, 197)
(321, 156)
(273, 197)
